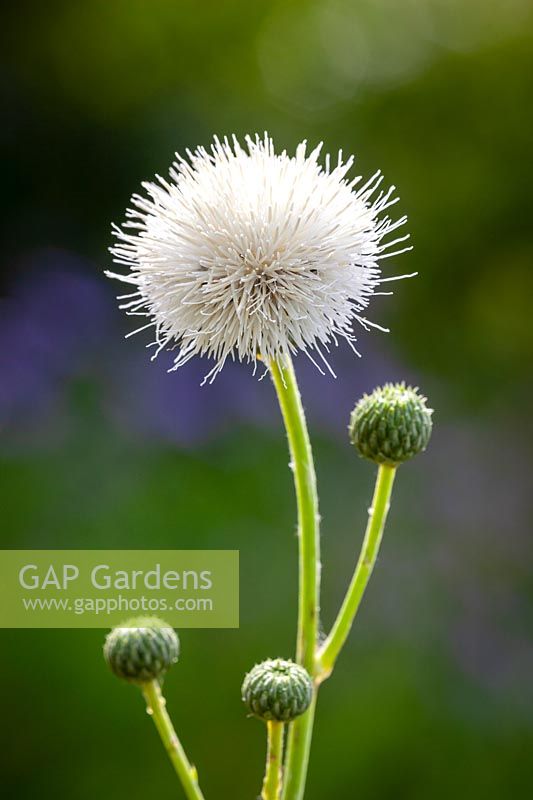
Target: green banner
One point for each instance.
(103, 588)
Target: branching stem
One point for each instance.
(377, 516)
(319, 661)
(301, 730)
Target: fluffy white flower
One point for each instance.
(244, 253)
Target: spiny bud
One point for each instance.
(391, 425)
(142, 649)
(277, 690)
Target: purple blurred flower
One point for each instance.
(50, 325)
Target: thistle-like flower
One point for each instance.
(244, 253)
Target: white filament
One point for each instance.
(244, 253)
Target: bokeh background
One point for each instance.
(101, 448)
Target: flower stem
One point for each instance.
(298, 751)
(273, 772)
(300, 733)
(307, 500)
(155, 704)
(331, 648)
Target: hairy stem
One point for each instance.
(334, 643)
(155, 703)
(300, 734)
(273, 771)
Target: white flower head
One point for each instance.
(245, 254)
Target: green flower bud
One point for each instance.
(142, 649)
(391, 425)
(277, 690)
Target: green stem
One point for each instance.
(272, 782)
(331, 648)
(300, 733)
(298, 751)
(155, 703)
(307, 500)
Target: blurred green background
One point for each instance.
(101, 448)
